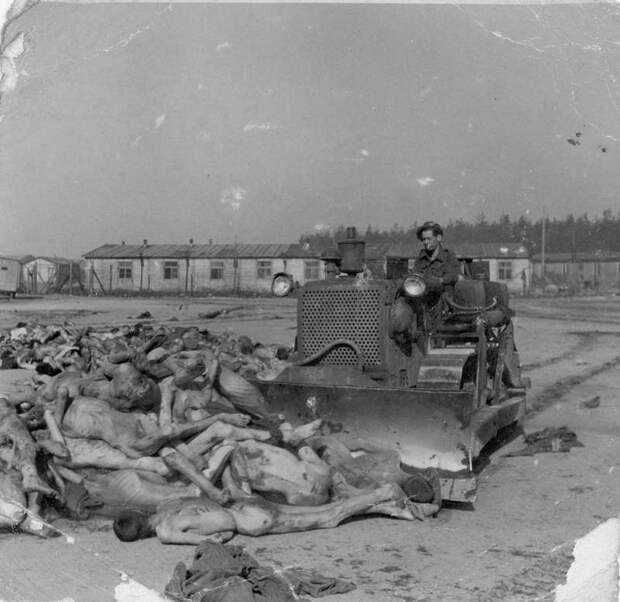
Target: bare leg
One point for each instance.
(342, 489)
(52, 426)
(239, 472)
(61, 405)
(232, 486)
(94, 452)
(224, 430)
(181, 463)
(307, 454)
(150, 443)
(22, 451)
(31, 480)
(191, 520)
(397, 508)
(254, 517)
(69, 475)
(216, 461)
(167, 395)
(32, 523)
(51, 467)
(332, 449)
(179, 406)
(295, 436)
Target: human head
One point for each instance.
(132, 526)
(430, 233)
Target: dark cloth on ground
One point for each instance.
(550, 439)
(313, 584)
(226, 573)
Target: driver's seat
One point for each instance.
(478, 298)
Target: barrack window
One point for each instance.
(171, 270)
(504, 270)
(124, 270)
(217, 270)
(263, 268)
(311, 269)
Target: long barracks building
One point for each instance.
(195, 268)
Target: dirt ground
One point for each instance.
(510, 547)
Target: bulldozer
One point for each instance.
(380, 362)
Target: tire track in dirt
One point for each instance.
(569, 315)
(554, 391)
(586, 342)
(538, 580)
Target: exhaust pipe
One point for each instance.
(352, 252)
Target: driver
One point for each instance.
(438, 265)
(440, 269)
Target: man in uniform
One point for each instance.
(441, 270)
(438, 265)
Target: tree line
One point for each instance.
(567, 235)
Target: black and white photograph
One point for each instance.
(307, 300)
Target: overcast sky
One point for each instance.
(212, 121)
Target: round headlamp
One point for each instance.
(281, 285)
(414, 286)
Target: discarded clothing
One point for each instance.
(550, 439)
(313, 584)
(226, 573)
(595, 402)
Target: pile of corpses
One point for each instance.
(159, 429)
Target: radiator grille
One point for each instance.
(328, 314)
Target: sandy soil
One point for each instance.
(529, 509)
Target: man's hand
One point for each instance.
(434, 282)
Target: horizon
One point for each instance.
(407, 235)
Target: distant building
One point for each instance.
(507, 262)
(10, 271)
(22, 260)
(194, 268)
(376, 257)
(598, 270)
(41, 275)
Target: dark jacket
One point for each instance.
(443, 265)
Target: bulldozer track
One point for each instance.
(556, 390)
(575, 313)
(585, 342)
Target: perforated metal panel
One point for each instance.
(330, 312)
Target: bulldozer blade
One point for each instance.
(428, 428)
